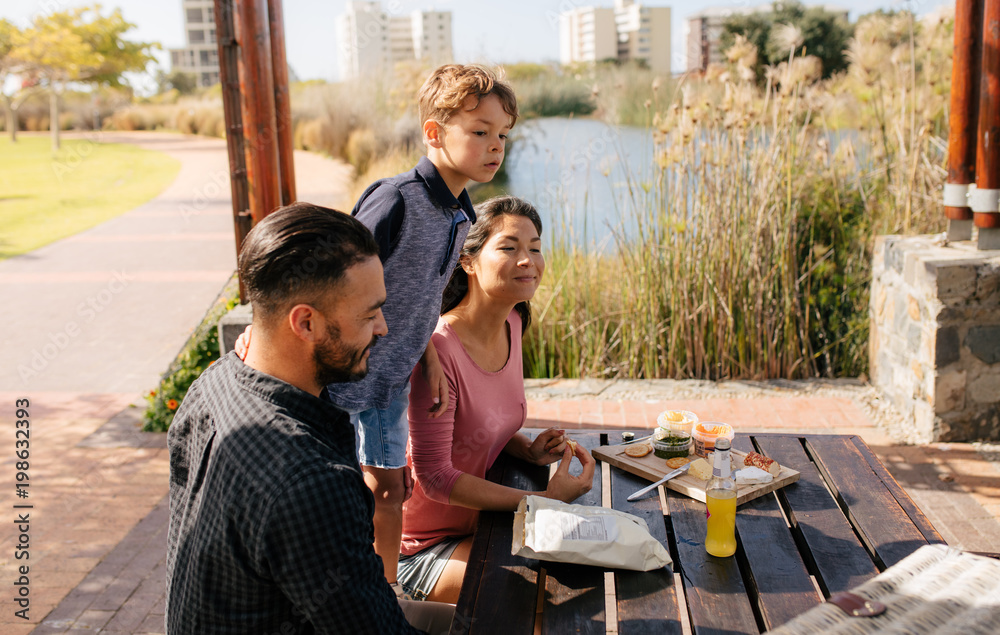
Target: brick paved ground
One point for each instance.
(87, 494)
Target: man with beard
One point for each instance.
(270, 519)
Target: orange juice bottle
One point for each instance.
(720, 498)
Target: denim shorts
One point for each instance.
(381, 434)
(419, 573)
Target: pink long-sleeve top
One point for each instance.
(485, 409)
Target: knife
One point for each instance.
(645, 438)
(663, 480)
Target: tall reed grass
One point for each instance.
(745, 249)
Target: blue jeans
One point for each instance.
(382, 433)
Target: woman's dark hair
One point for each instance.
(297, 252)
(488, 216)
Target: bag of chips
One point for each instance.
(548, 529)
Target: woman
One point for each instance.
(478, 340)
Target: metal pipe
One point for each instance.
(282, 106)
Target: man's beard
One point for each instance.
(335, 363)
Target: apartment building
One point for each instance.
(587, 34)
(628, 31)
(371, 40)
(200, 57)
(704, 30)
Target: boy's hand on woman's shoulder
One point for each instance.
(242, 346)
(437, 381)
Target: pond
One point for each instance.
(577, 172)
(582, 173)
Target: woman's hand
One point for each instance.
(566, 487)
(434, 376)
(547, 447)
(242, 346)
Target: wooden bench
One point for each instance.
(845, 520)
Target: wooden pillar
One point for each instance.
(254, 74)
(985, 200)
(283, 109)
(257, 100)
(964, 117)
(229, 52)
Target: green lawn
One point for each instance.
(45, 198)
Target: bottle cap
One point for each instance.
(722, 443)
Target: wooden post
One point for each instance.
(283, 109)
(964, 117)
(985, 200)
(225, 32)
(257, 100)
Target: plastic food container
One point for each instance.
(705, 433)
(671, 446)
(677, 420)
(673, 436)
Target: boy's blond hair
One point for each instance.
(445, 91)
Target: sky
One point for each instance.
(483, 31)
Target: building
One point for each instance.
(644, 34)
(373, 41)
(627, 32)
(200, 57)
(704, 30)
(587, 34)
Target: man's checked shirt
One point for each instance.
(270, 519)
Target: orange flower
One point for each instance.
(172, 404)
(152, 393)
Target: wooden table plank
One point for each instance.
(473, 574)
(714, 589)
(574, 594)
(838, 559)
(919, 520)
(462, 622)
(646, 600)
(872, 509)
(779, 577)
(507, 580)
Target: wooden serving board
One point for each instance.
(654, 468)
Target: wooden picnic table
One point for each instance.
(845, 520)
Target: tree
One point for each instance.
(755, 28)
(78, 45)
(10, 68)
(183, 83)
(823, 34)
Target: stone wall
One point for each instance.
(934, 349)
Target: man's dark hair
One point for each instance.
(297, 252)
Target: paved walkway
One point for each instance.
(96, 534)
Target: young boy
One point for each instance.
(420, 220)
